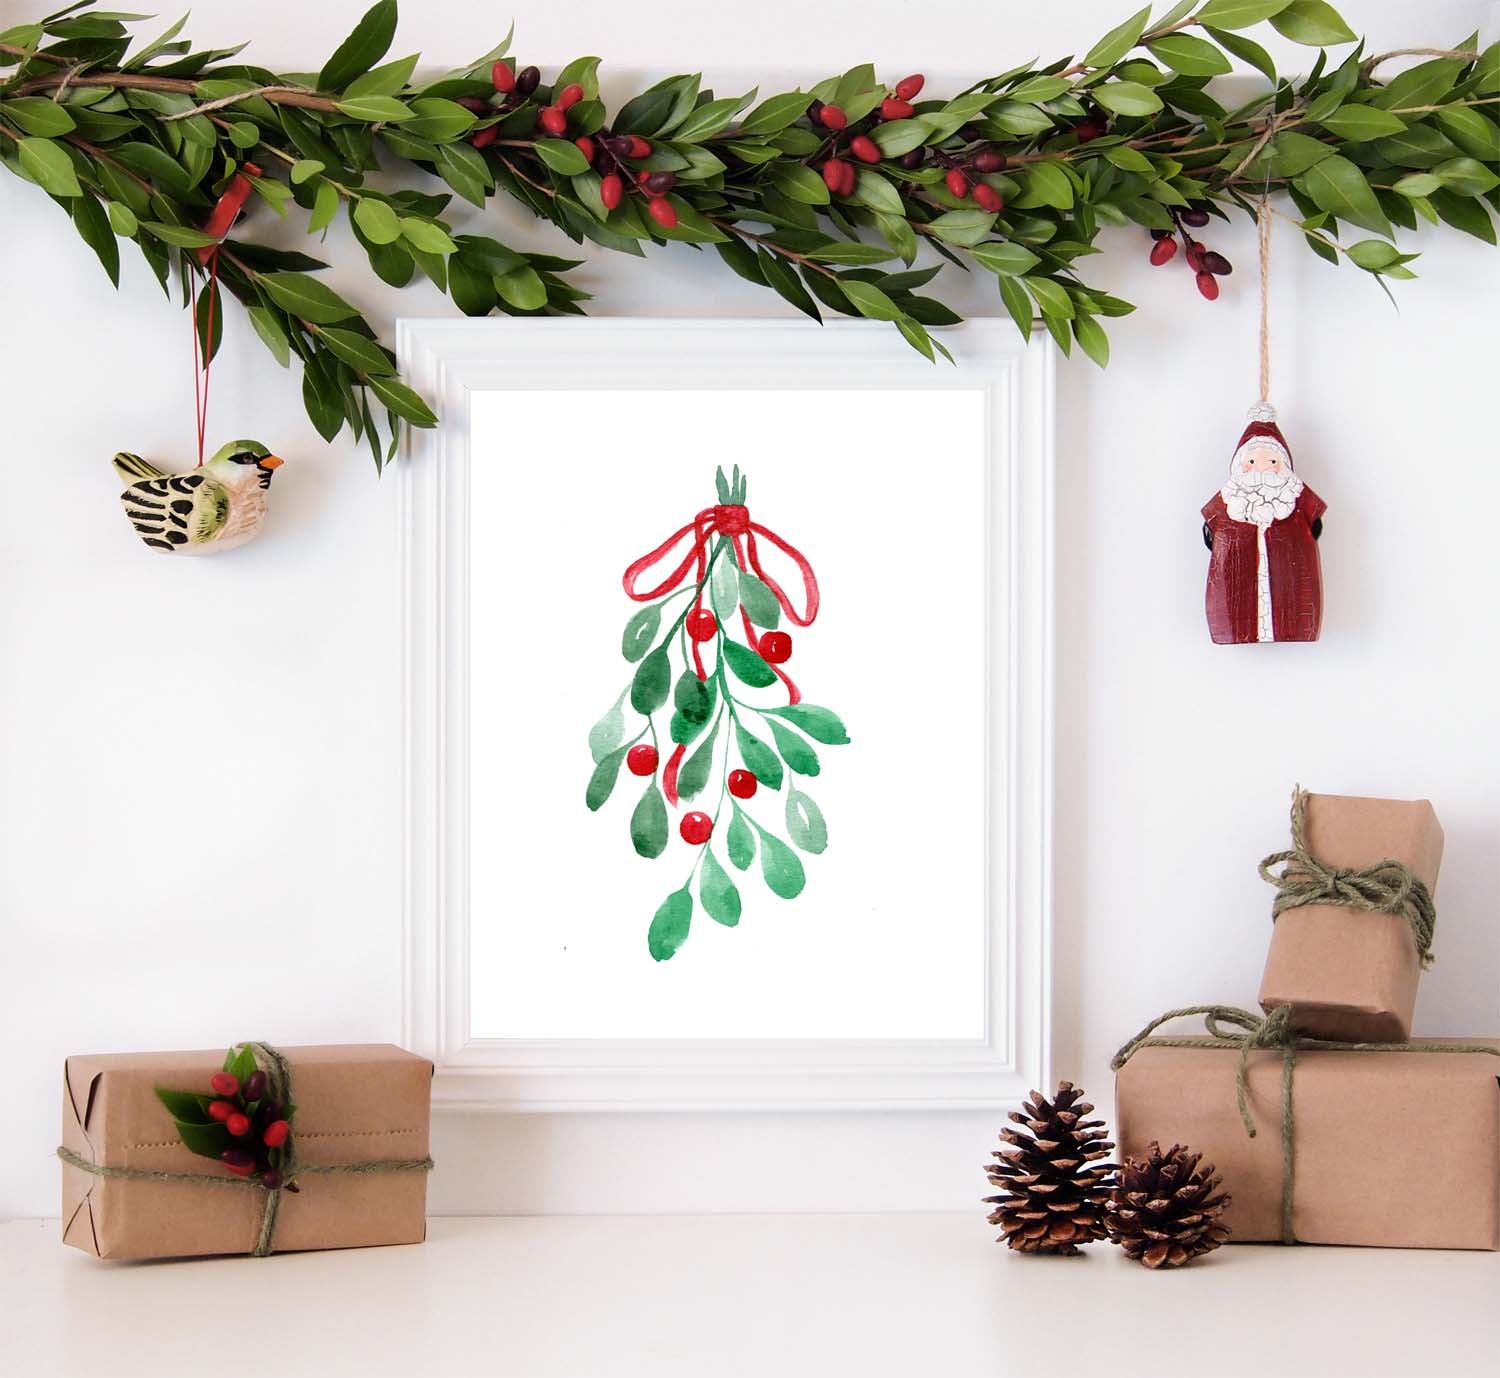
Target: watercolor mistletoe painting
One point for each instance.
(717, 750)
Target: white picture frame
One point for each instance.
(449, 361)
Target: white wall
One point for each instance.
(197, 759)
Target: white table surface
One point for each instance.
(789, 1296)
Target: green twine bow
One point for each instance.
(1387, 887)
(1272, 1032)
(279, 1073)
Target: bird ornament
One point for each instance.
(217, 506)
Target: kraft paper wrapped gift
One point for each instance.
(356, 1104)
(1348, 973)
(1400, 1149)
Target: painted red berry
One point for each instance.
(892, 108)
(702, 625)
(225, 1083)
(988, 198)
(585, 146)
(641, 759)
(486, 136)
(220, 1110)
(1163, 251)
(696, 827)
(775, 647)
(554, 121)
(1208, 284)
(503, 78)
(639, 147)
(958, 184)
(569, 96)
(238, 1125)
(611, 189)
(832, 117)
(276, 1133)
(909, 88)
(863, 147)
(989, 160)
(662, 211)
(742, 783)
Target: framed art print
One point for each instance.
(727, 714)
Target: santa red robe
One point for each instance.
(1296, 576)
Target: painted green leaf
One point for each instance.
(721, 900)
(740, 842)
(365, 46)
(602, 781)
(49, 166)
(306, 297)
(746, 664)
(185, 1106)
(759, 602)
(606, 734)
(693, 698)
(725, 587)
(804, 822)
(380, 223)
(652, 682)
(640, 632)
(693, 775)
(821, 724)
(780, 866)
(1313, 23)
(758, 757)
(648, 824)
(669, 926)
(798, 755)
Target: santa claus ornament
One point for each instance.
(1265, 581)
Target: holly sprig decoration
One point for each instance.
(239, 1122)
(709, 721)
(828, 197)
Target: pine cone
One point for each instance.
(1052, 1185)
(1163, 1211)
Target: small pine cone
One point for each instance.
(1052, 1185)
(1163, 1211)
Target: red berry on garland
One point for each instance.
(225, 1083)
(1208, 284)
(270, 1179)
(1194, 216)
(1163, 251)
(569, 96)
(742, 783)
(474, 105)
(585, 146)
(554, 121)
(988, 198)
(611, 189)
(989, 160)
(527, 80)
(241, 1166)
(276, 1133)
(502, 78)
(838, 177)
(696, 827)
(662, 212)
(895, 109)
(1195, 256)
(641, 759)
(1216, 263)
(1088, 130)
(238, 1125)
(659, 183)
(914, 159)
(220, 1110)
(863, 147)
(639, 147)
(832, 117)
(255, 1086)
(486, 136)
(909, 88)
(958, 184)
(702, 625)
(775, 648)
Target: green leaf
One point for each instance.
(365, 46)
(1091, 337)
(821, 724)
(562, 157)
(1339, 188)
(357, 351)
(800, 757)
(522, 288)
(759, 759)
(1001, 256)
(1018, 304)
(1127, 98)
(606, 734)
(430, 238)
(779, 866)
(786, 283)
(652, 682)
(746, 664)
(804, 822)
(374, 109)
(439, 120)
(724, 589)
(709, 118)
(402, 400)
(1471, 132)
(1293, 153)
(602, 781)
(774, 113)
(1239, 14)
(306, 297)
(669, 925)
(1358, 123)
(383, 81)
(693, 776)
(93, 226)
(206, 1140)
(1118, 41)
(801, 184)
(874, 191)
(1052, 297)
(1193, 57)
(692, 698)
(896, 137)
(325, 207)
(759, 602)
(1374, 254)
(1313, 23)
(208, 320)
(49, 166)
(1045, 184)
(122, 220)
(1246, 49)
(38, 115)
(240, 1062)
(1418, 184)
(740, 841)
(965, 227)
(640, 632)
(1466, 176)
(721, 901)
(178, 236)
(303, 169)
(185, 1106)
(380, 223)
(648, 824)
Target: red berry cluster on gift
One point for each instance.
(1207, 265)
(261, 1122)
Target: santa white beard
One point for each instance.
(1262, 496)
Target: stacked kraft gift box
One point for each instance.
(1329, 1123)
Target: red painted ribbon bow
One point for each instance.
(732, 521)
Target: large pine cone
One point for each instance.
(1163, 1211)
(1053, 1187)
